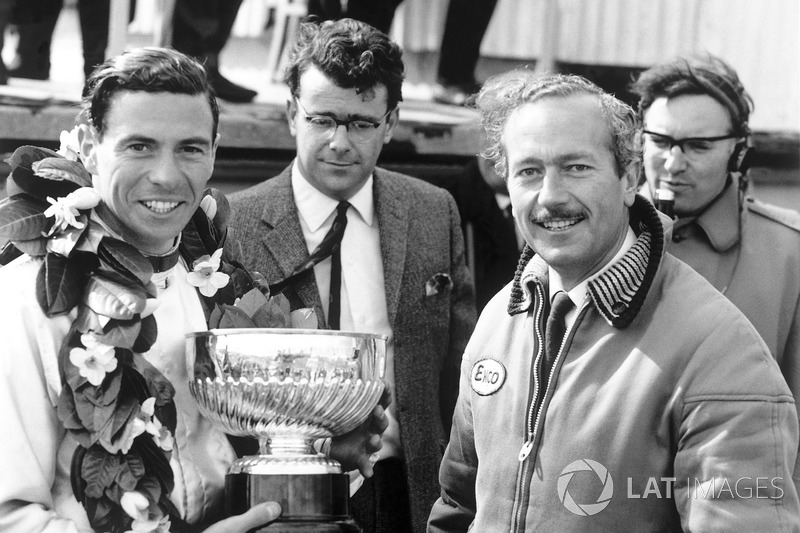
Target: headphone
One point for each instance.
(741, 158)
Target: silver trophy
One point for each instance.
(288, 388)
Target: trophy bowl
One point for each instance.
(287, 388)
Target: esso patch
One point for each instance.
(487, 376)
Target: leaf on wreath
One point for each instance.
(25, 156)
(304, 318)
(61, 281)
(167, 414)
(22, 218)
(88, 321)
(9, 252)
(215, 317)
(270, 315)
(159, 472)
(134, 384)
(147, 334)
(61, 169)
(126, 408)
(24, 179)
(93, 418)
(67, 240)
(68, 414)
(157, 385)
(223, 213)
(233, 317)
(103, 515)
(251, 301)
(241, 282)
(131, 471)
(99, 470)
(114, 300)
(125, 258)
(107, 392)
(78, 484)
(206, 231)
(121, 333)
(33, 247)
(196, 238)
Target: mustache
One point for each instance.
(549, 215)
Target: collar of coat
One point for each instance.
(618, 293)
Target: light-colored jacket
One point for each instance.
(664, 412)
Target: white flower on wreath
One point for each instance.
(136, 505)
(95, 360)
(70, 147)
(153, 426)
(204, 274)
(66, 209)
(133, 428)
(209, 206)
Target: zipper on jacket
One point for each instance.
(528, 444)
(533, 422)
(533, 413)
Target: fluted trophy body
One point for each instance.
(288, 388)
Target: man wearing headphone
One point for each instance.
(695, 138)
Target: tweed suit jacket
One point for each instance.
(420, 240)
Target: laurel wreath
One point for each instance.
(118, 406)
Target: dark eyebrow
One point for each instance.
(350, 118)
(143, 139)
(196, 140)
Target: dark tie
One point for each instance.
(329, 246)
(554, 331)
(335, 304)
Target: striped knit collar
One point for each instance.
(618, 293)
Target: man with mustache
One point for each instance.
(695, 115)
(375, 251)
(609, 387)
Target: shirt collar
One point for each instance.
(578, 292)
(720, 220)
(316, 207)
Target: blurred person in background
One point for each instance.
(696, 138)
(372, 250)
(201, 29)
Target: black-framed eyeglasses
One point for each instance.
(359, 129)
(690, 146)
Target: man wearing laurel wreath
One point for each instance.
(122, 257)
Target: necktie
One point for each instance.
(329, 246)
(334, 303)
(554, 331)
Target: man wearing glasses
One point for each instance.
(374, 251)
(695, 116)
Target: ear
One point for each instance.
(393, 119)
(629, 181)
(291, 116)
(88, 139)
(214, 148)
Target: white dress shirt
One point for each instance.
(363, 294)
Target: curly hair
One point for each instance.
(149, 69)
(704, 75)
(351, 53)
(503, 94)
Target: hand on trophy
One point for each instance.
(356, 449)
(258, 515)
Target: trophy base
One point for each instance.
(310, 527)
(310, 502)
